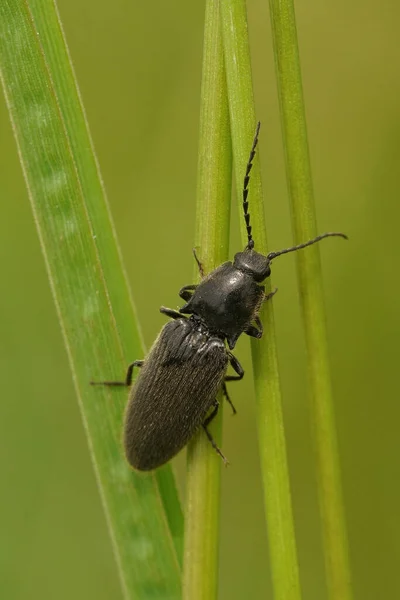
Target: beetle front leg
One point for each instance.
(269, 296)
(170, 312)
(256, 332)
(253, 331)
(187, 291)
(199, 263)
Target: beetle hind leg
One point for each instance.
(128, 378)
(214, 445)
(210, 437)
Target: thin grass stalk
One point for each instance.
(274, 468)
(200, 577)
(299, 178)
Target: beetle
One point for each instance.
(175, 393)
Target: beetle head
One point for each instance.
(249, 261)
(255, 264)
(259, 266)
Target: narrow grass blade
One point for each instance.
(200, 579)
(301, 194)
(88, 284)
(277, 498)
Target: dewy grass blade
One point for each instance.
(280, 527)
(298, 170)
(81, 256)
(200, 579)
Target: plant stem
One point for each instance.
(200, 578)
(298, 170)
(277, 500)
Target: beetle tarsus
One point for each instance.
(214, 445)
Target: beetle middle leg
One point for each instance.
(225, 393)
(237, 367)
(128, 378)
(210, 437)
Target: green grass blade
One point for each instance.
(301, 194)
(47, 22)
(212, 238)
(80, 252)
(277, 498)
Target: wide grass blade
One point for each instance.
(212, 238)
(88, 284)
(298, 171)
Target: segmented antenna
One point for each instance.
(272, 255)
(250, 241)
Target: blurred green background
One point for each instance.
(139, 70)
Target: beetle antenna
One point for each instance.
(272, 255)
(250, 241)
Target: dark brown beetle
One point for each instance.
(186, 366)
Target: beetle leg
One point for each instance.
(212, 415)
(225, 392)
(199, 263)
(253, 331)
(214, 445)
(210, 437)
(187, 291)
(269, 296)
(174, 314)
(129, 371)
(237, 367)
(128, 378)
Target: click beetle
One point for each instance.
(175, 393)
